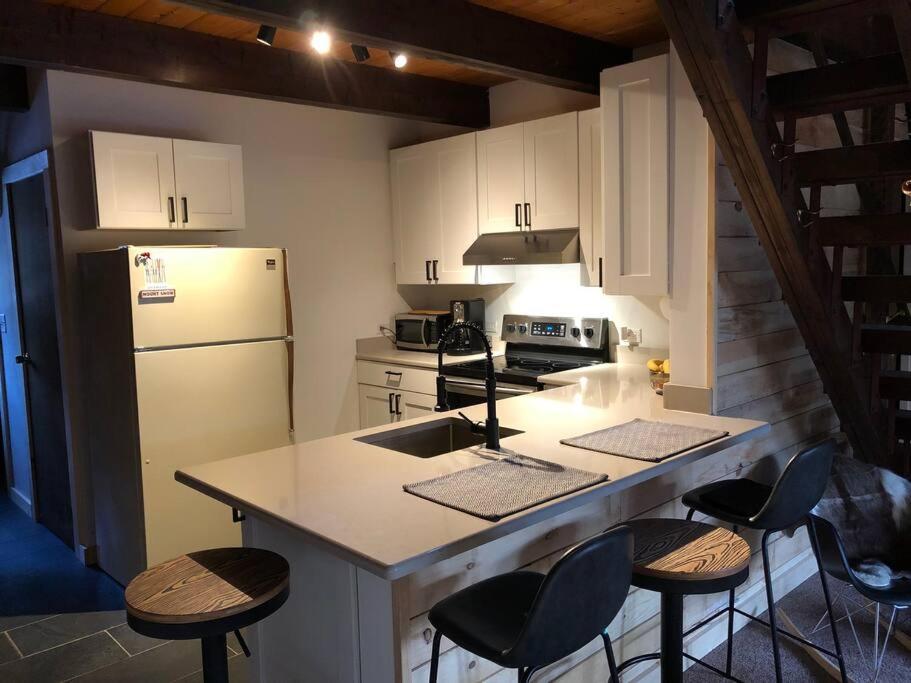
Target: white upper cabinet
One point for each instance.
(551, 173)
(528, 175)
(210, 185)
(134, 181)
(144, 183)
(434, 210)
(634, 125)
(501, 178)
(591, 223)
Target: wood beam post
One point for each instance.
(44, 35)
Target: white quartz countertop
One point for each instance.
(346, 496)
(382, 350)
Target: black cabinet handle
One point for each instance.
(398, 398)
(172, 211)
(427, 270)
(518, 215)
(527, 215)
(391, 411)
(24, 359)
(186, 209)
(435, 278)
(393, 372)
(600, 271)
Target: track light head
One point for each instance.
(361, 53)
(266, 35)
(399, 59)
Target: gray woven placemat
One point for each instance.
(645, 440)
(503, 487)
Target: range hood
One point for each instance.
(524, 248)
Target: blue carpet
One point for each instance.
(39, 574)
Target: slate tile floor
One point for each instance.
(61, 621)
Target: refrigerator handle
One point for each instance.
(289, 327)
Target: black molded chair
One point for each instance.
(751, 505)
(525, 620)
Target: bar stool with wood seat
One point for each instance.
(677, 557)
(747, 504)
(526, 620)
(206, 595)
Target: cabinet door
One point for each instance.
(591, 225)
(415, 212)
(412, 405)
(501, 178)
(134, 181)
(552, 173)
(375, 406)
(458, 210)
(634, 128)
(210, 185)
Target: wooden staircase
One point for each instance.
(857, 326)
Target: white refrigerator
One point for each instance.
(188, 359)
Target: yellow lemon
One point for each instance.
(654, 365)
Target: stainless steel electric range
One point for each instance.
(535, 346)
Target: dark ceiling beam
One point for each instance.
(13, 88)
(805, 14)
(455, 31)
(43, 35)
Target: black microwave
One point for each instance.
(420, 331)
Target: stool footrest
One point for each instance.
(637, 660)
(715, 670)
(783, 632)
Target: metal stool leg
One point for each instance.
(730, 653)
(611, 662)
(671, 638)
(689, 515)
(435, 656)
(773, 622)
(215, 659)
(825, 592)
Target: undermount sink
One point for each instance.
(430, 439)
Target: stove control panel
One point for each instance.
(584, 333)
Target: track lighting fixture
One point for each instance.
(906, 188)
(361, 53)
(266, 35)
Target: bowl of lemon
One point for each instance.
(659, 373)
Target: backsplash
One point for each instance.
(555, 290)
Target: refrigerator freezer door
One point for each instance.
(197, 405)
(204, 295)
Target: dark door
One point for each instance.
(40, 354)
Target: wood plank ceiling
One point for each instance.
(627, 23)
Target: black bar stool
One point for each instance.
(678, 557)
(207, 595)
(748, 504)
(526, 620)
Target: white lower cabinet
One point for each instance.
(380, 406)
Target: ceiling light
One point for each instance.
(321, 41)
(906, 187)
(266, 35)
(400, 59)
(361, 53)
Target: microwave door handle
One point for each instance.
(424, 323)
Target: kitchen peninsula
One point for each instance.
(368, 560)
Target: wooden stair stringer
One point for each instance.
(719, 66)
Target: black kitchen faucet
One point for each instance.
(492, 425)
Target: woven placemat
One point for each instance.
(645, 440)
(504, 487)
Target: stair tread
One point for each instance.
(845, 165)
(863, 230)
(878, 288)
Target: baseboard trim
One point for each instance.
(21, 501)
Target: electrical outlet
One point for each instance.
(631, 336)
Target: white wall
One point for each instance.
(316, 182)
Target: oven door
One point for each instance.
(412, 333)
(462, 392)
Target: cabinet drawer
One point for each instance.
(400, 377)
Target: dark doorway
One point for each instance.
(30, 237)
